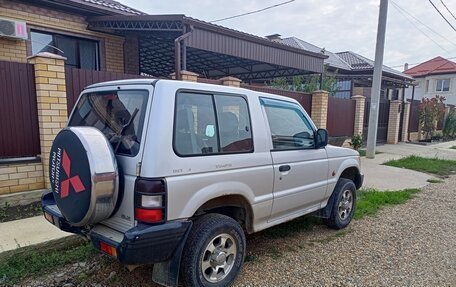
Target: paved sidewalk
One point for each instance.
(35, 230)
(28, 231)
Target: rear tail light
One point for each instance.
(108, 249)
(150, 200)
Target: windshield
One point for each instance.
(113, 113)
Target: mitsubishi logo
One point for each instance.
(75, 181)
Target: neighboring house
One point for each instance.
(354, 72)
(434, 77)
(60, 27)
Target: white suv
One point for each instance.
(175, 173)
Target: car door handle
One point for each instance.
(284, 168)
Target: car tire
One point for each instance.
(343, 204)
(215, 245)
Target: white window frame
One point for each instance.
(439, 88)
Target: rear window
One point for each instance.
(119, 115)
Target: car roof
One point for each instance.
(191, 85)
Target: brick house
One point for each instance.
(53, 26)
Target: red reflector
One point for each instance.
(108, 249)
(149, 215)
(49, 217)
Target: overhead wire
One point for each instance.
(449, 11)
(437, 9)
(253, 12)
(419, 29)
(421, 22)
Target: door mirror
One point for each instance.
(321, 138)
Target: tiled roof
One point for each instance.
(110, 5)
(348, 61)
(438, 65)
(333, 60)
(361, 63)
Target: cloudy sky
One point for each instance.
(337, 25)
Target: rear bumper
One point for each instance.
(143, 244)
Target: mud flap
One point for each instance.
(167, 273)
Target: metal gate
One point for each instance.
(383, 117)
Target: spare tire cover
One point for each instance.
(83, 174)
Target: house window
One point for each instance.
(443, 85)
(426, 88)
(343, 89)
(79, 53)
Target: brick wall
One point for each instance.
(21, 177)
(37, 17)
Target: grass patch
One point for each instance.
(440, 167)
(434, 180)
(453, 147)
(362, 152)
(292, 227)
(34, 262)
(371, 201)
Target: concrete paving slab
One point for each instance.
(384, 177)
(439, 150)
(28, 231)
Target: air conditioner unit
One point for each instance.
(13, 29)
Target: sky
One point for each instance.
(336, 25)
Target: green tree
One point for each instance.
(308, 83)
(430, 111)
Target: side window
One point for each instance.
(198, 131)
(234, 124)
(289, 127)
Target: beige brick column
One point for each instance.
(359, 114)
(393, 122)
(405, 122)
(186, 76)
(319, 111)
(231, 81)
(52, 101)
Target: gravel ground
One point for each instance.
(413, 244)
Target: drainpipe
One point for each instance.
(177, 51)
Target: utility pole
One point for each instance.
(377, 80)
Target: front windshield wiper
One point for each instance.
(120, 134)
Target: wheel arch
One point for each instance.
(235, 206)
(352, 173)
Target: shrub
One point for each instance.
(430, 111)
(449, 130)
(356, 141)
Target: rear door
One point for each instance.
(300, 170)
(121, 113)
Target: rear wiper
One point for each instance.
(119, 135)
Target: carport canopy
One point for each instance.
(166, 43)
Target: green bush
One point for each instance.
(356, 141)
(449, 130)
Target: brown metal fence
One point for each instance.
(383, 117)
(414, 120)
(304, 99)
(19, 132)
(341, 117)
(78, 79)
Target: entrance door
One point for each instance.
(300, 170)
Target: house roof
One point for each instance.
(437, 65)
(333, 60)
(347, 61)
(89, 7)
(360, 63)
